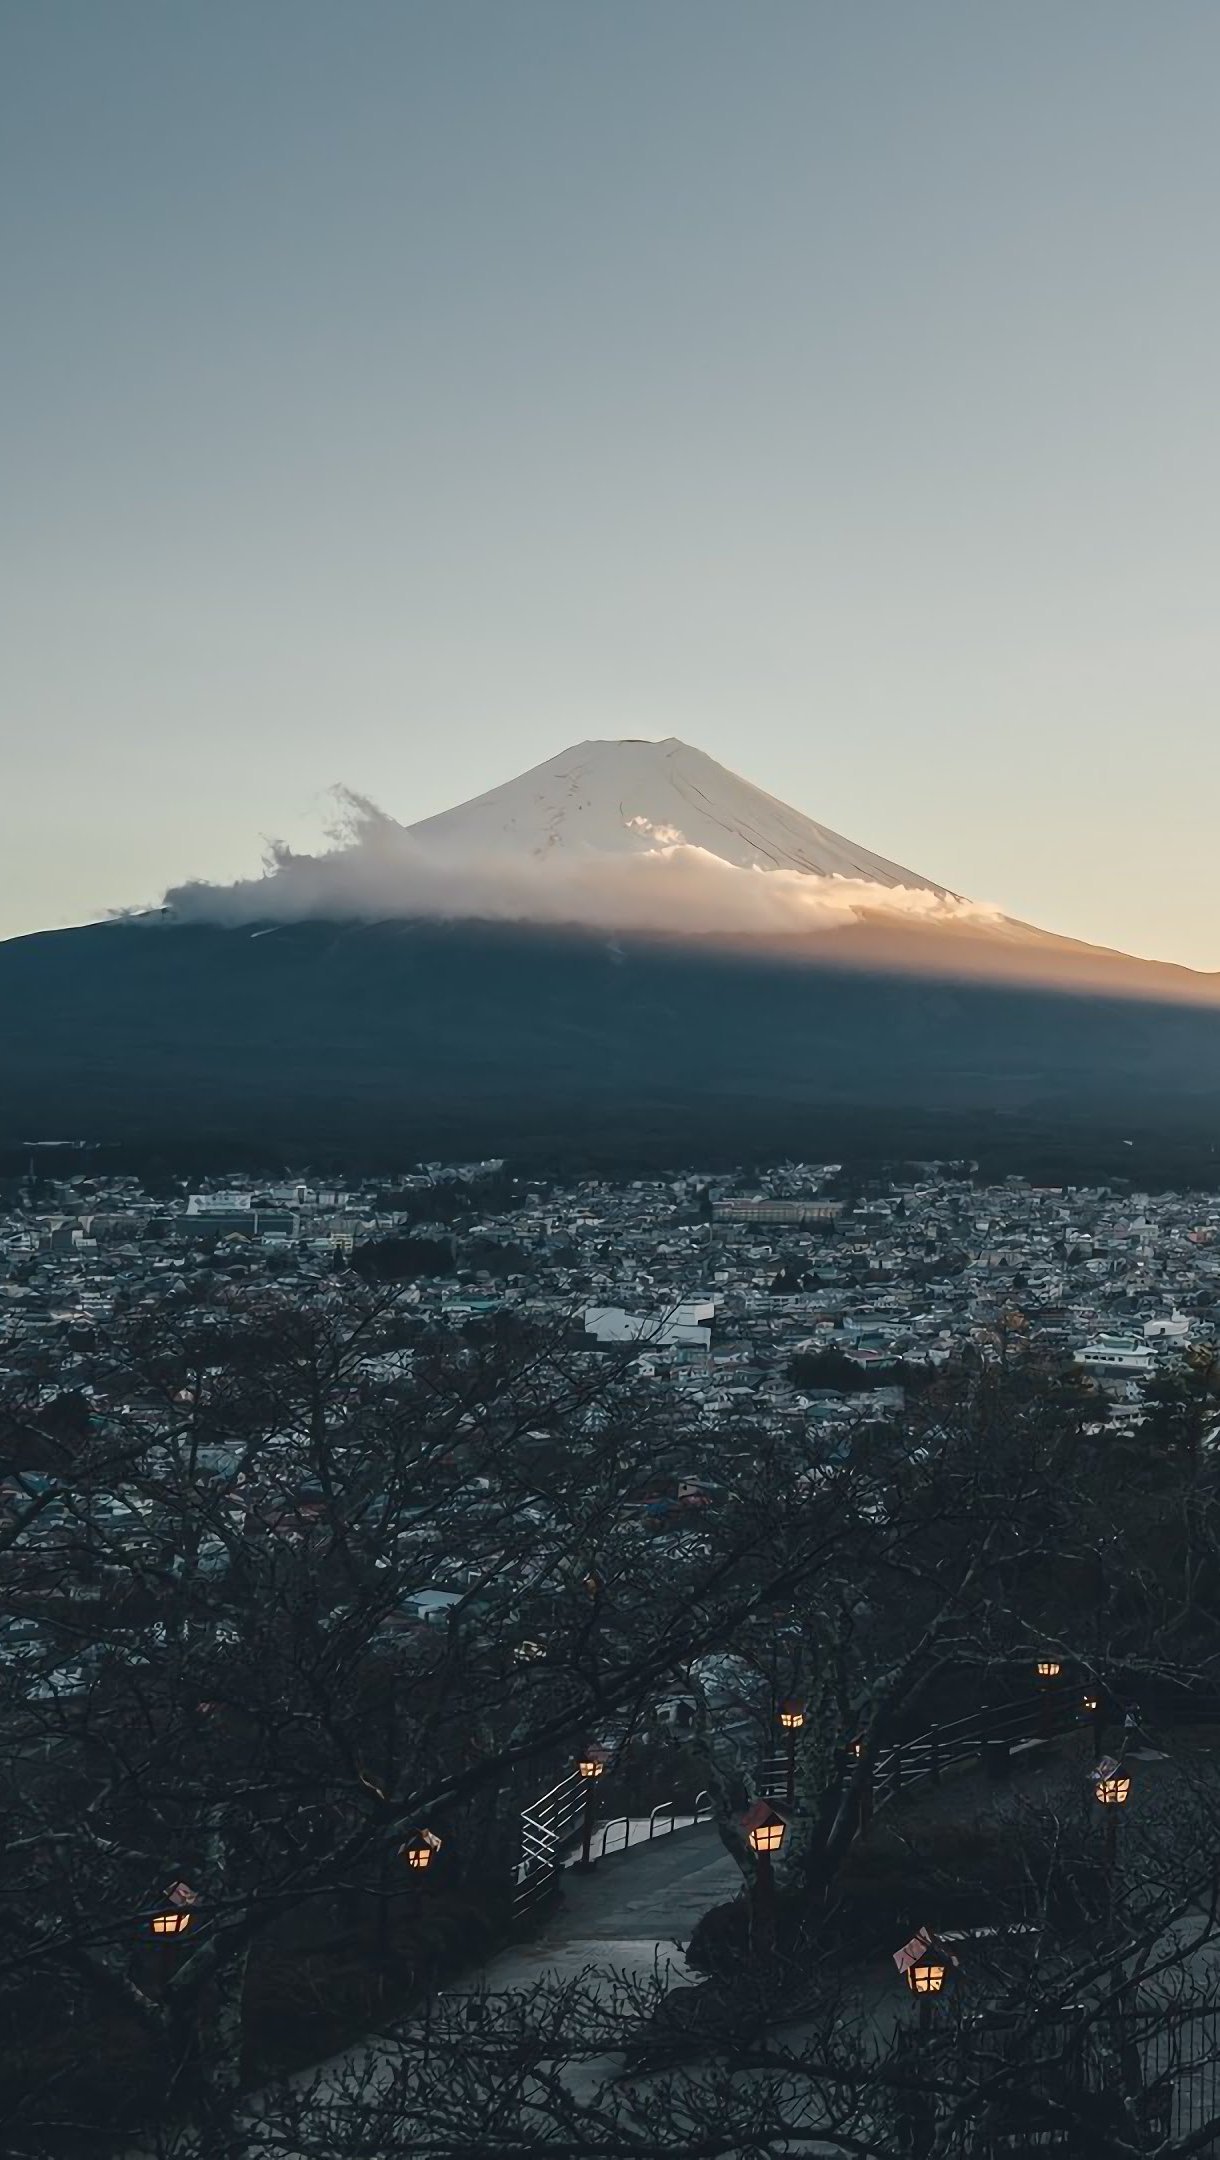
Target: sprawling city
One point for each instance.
(465, 1630)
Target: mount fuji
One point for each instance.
(658, 838)
(628, 948)
(620, 797)
(633, 835)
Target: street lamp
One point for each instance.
(1091, 1708)
(590, 1766)
(175, 1916)
(1111, 1790)
(421, 1849)
(927, 1967)
(791, 1718)
(765, 1828)
(1048, 1669)
(855, 1755)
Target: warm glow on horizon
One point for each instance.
(398, 403)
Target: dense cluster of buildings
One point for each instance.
(788, 1296)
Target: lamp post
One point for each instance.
(765, 1829)
(418, 1854)
(591, 1765)
(1048, 1670)
(1092, 1708)
(855, 1754)
(791, 1718)
(927, 1967)
(1111, 1790)
(168, 1922)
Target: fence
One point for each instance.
(1180, 2055)
(659, 1823)
(1043, 2085)
(551, 1824)
(989, 1737)
(547, 1825)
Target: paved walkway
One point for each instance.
(633, 1912)
(631, 1915)
(624, 1830)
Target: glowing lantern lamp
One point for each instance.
(420, 1851)
(928, 1974)
(791, 1717)
(591, 1764)
(1113, 1791)
(176, 1915)
(764, 1828)
(927, 1967)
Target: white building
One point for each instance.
(1117, 1357)
(688, 1324)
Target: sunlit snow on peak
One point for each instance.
(622, 835)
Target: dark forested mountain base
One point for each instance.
(365, 1043)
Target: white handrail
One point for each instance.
(549, 1821)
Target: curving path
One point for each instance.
(634, 1910)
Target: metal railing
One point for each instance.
(927, 1755)
(662, 1820)
(547, 1825)
(550, 1824)
(1171, 2067)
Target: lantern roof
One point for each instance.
(922, 1948)
(761, 1814)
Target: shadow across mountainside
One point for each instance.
(396, 1039)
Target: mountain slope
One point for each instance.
(432, 988)
(618, 797)
(398, 1040)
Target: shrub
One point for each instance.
(720, 1944)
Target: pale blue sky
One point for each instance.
(396, 393)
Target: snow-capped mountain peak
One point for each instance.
(631, 796)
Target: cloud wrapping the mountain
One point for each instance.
(376, 868)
